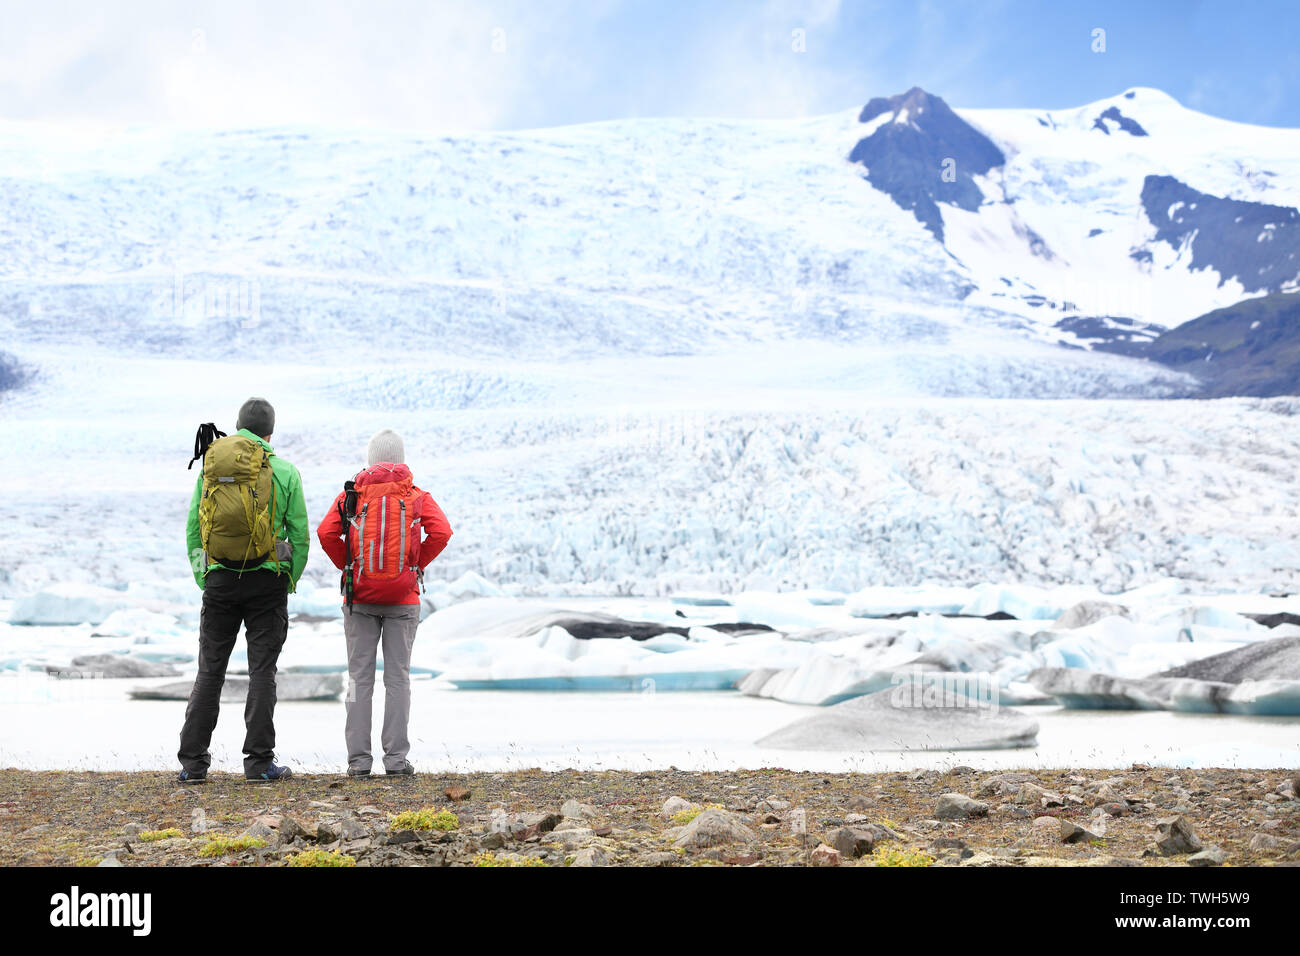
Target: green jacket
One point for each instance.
(289, 523)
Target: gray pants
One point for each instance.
(365, 626)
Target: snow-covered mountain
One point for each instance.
(659, 237)
(661, 355)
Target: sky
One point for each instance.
(516, 64)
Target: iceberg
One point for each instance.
(906, 718)
(67, 603)
(288, 686)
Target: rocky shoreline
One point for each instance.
(1142, 816)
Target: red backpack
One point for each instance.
(383, 533)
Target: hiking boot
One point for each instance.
(270, 775)
(405, 770)
(192, 776)
(356, 772)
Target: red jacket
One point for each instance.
(404, 589)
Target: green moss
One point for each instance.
(896, 856)
(89, 861)
(153, 836)
(426, 818)
(686, 816)
(491, 859)
(321, 858)
(218, 845)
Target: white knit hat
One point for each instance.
(386, 445)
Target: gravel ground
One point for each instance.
(1142, 816)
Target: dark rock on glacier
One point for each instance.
(1226, 234)
(907, 155)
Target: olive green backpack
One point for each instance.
(238, 502)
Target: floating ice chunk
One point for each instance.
(1021, 602)
(882, 601)
(1081, 689)
(67, 603)
(825, 678)
(137, 622)
(895, 719)
(667, 643)
(1266, 698)
(1203, 616)
(700, 599)
(325, 602)
(288, 687)
(781, 610)
(472, 585)
(1089, 612)
(1272, 658)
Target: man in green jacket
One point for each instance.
(255, 596)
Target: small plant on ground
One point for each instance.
(218, 845)
(153, 836)
(426, 819)
(321, 858)
(491, 859)
(686, 816)
(900, 856)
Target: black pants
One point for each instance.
(258, 600)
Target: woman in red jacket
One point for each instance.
(382, 533)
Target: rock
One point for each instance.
(261, 830)
(572, 837)
(544, 822)
(577, 811)
(1104, 793)
(110, 860)
(1210, 856)
(1176, 836)
(132, 831)
(352, 829)
(773, 805)
(328, 831)
(590, 856)
(1034, 795)
(1266, 842)
(825, 855)
(855, 841)
(675, 805)
(1090, 612)
(958, 806)
(1003, 784)
(895, 720)
(492, 841)
(714, 827)
(288, 686)
(1046, 822)
(947, 843)
(1071, 832)
(456, 794)
(290, 829)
